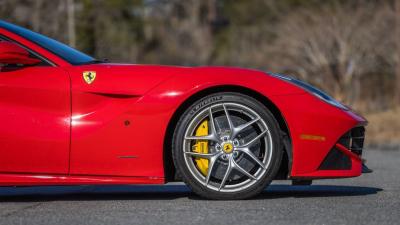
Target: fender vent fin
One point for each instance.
(112, 95)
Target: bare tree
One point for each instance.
(335, 47)
(185, 30)
(397, 40)
(36, 15)
(71, 22)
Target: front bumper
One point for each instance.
(349, 147)
(326, 141)
(344, 159)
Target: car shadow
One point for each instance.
(165, 192)
(283, 191)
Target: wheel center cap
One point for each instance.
(227, 148)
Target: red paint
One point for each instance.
(356, 167)
(35, 116)
(57, 129)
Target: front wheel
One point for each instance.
(227, 146)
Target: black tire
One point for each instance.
(179, 137)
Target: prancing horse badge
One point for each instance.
(89, 76)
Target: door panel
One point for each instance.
(106, 120)
(35, 110)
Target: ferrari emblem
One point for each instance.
(89, 76)
(228, 147)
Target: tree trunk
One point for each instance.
(71, 23)
(36, 21)
(397, 41)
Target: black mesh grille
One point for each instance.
(337, 160)
(354, 140)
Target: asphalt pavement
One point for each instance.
(369, 199)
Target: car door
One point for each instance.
(35, 111)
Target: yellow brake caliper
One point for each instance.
(202, 147)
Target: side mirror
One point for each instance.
(11, 53)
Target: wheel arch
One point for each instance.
(169, 169)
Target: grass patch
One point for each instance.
(383, 128)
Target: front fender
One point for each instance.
(156, 108)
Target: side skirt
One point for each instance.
(50, 180)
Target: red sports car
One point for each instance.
(69, 119)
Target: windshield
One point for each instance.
(65, 52)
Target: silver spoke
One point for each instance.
(212, 124)
(227, 173)
(228, 117)
(213, 136)
(237, 130)
(210, 137)
(201, 155)
(253, 141)
(243, 171)
(249, 153)
(211, 167)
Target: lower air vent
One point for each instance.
(336, 160)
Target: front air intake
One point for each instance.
(354, 140)
(336, 159)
